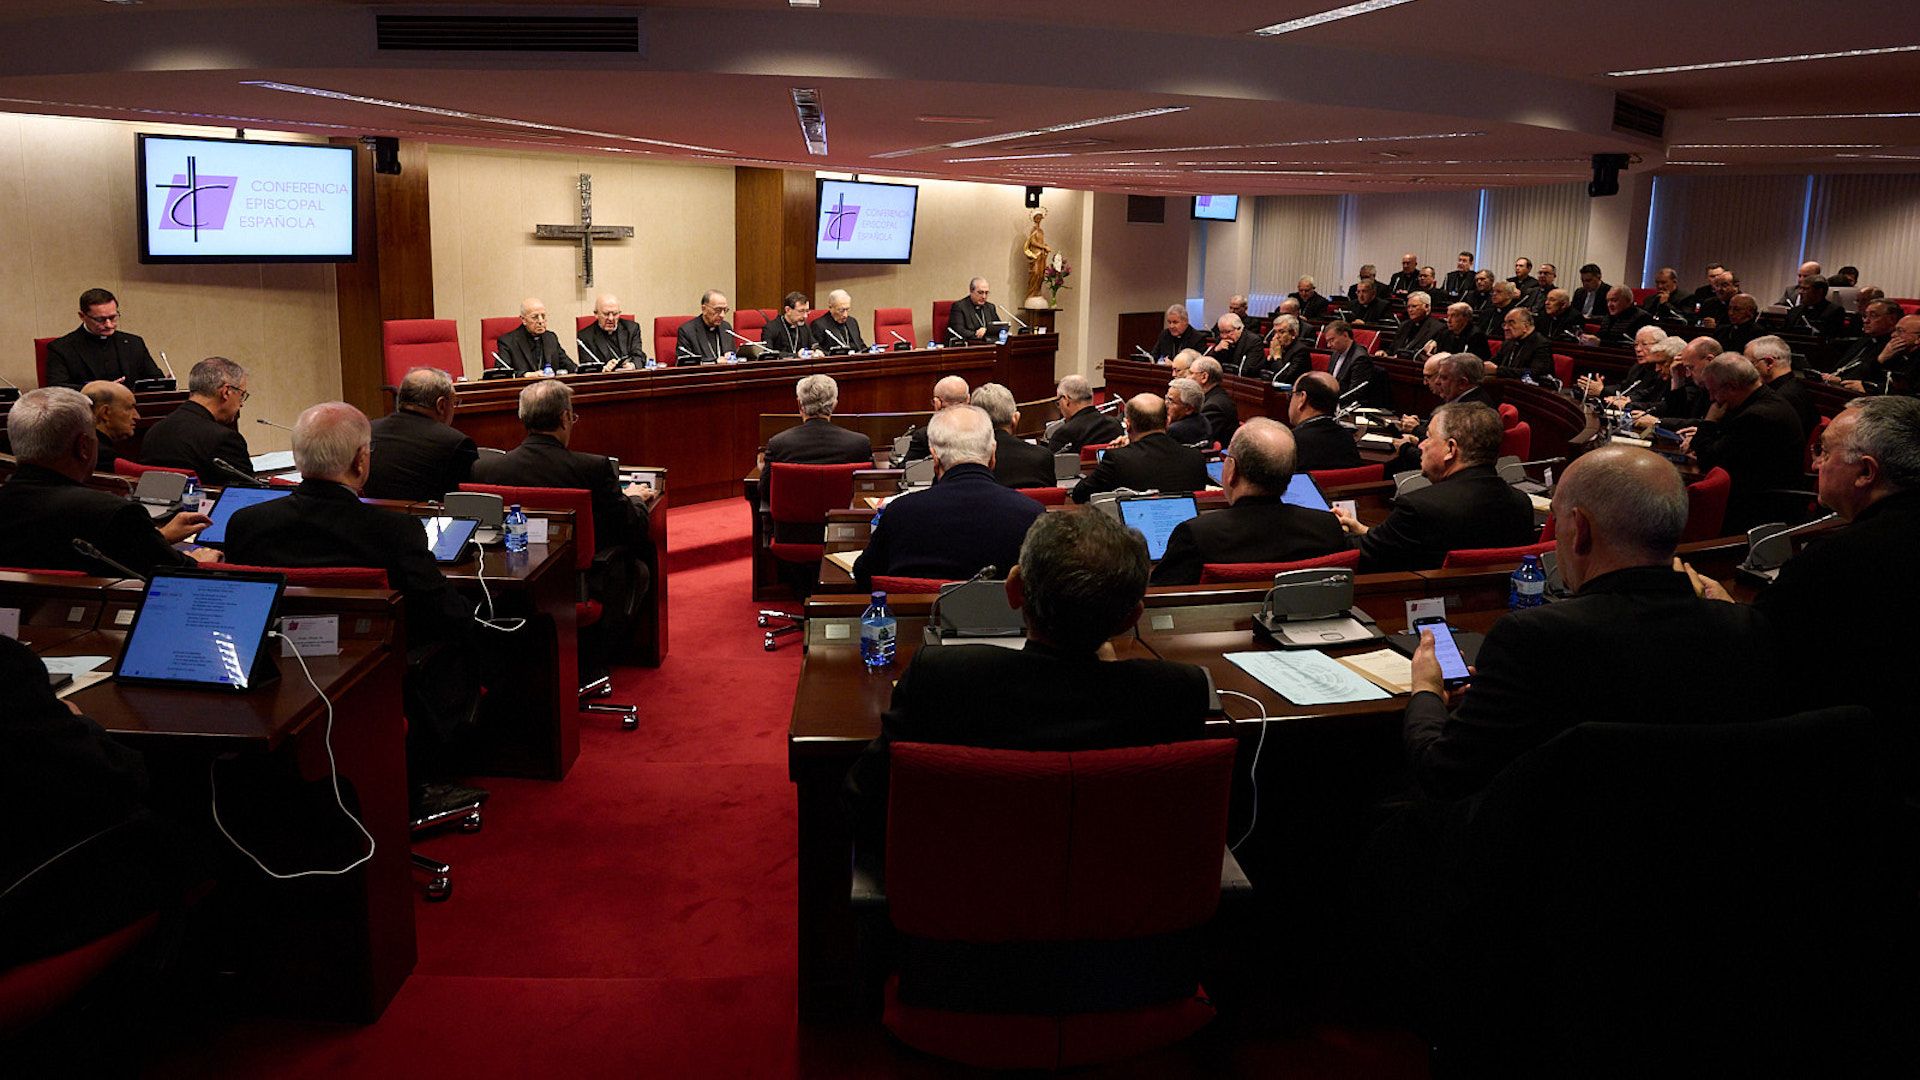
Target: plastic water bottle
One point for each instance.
(1003, 335)
(190, 498)
(877, 630)
(547, 369)
(1528, 586)
(516, 529)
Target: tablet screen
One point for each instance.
(1301, 492)
(447, 536)
(1156, 518)
(1213, 471)
(200, 630)
(232, 500)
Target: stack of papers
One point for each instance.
(843, 559)
(1307, 678)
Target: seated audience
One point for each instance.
(1890, 370)
(1450, 377)
(1255, 526)
(1179, 334)
(1523, 352)
(965, 521)
(792, 331)
(1351, 367)
(1429, 283)
(417, 453)
(1618, 513)
(1523, 278)
(1794, 296)
(1754, 435)
(1017, 463)
(1668, 300)
(1368, 274)
(1686, 391)
(1505, 297)
(1773, 359)
(1150, 460)
(949, 391)
(1081, 423)
(1644, 383)
(1216, 405)
(618, 343)
(1234, 349)
(1237, 307)
(1590, 299)
(1406, 279)
(1182, 363)
(1320, 440)
(97, 349)
(1080, 582)
(1622, 319)
(1185, 423)
(1467, 506)
(1557, 319)
(1816, 312)
(1461, 336)
(202, 427)
(47, 505)
(1480, 296)
(707, 337)
(1877, 320)
(1712, 311)
(815, 440)
(1460, 279)
(114, 416)
(530, 348)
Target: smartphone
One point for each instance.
(1453, 669)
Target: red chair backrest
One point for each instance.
(123, 467)
(1546, 530)
(1640, 295)
(1509, 416)
(40, 358)
(581, 322)
(1367, 338)
(315, 577)
(1009, 845)
(802, 494)
(406, 344)
(490, 331)
(1216, 573)
(750, 323)
(903, 585)
(32, 991)
(1907, 304)
(1359, 474)
(1320, 361)
(578, 500)
(1707, 505)
(1813, 441)
(666, 331)
(1517, 441)
(1506, 556)
(942, 309)
(1563, 369)
(1045, 496)
(43, 573)
(888, 321)
(1091, 453)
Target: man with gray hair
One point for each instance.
(1619, 511)
(970, 317)
(1773, 359)
(417, 453)
(1184, 421)
(1216, 405)
(838, 331)
(530, 348)
(1467, 505)
(1179, 333)
(1256, 526)
(1081, 424)
(1419, 335)
(1313, 304)
(609, 339)
(949, 391)
(1754, 435)
(1016, 462)
(1150, 461)
(816, 440)
(203, 427)
(47, 505)
(1623, 319)
(1234, 349)
(965, 521)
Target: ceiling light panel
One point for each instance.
(1844, 54)
(1072, 125)
(1831, 116)
(1307, 22)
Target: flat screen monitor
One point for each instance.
(199, 629)
(862, 222)
(1216, 207)
(234, 201)
(1156, 516)
(1302, 492)
(234, 499)
(448, 536)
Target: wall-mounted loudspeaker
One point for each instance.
(1033, 197)
(386, 155)
(1606, 175)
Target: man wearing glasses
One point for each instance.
(204, 426)
(97, 349)
(708, 337)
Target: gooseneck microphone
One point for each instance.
(956, 335)
(271, 424)
(102, 558)
(243, 476)
(499, 363)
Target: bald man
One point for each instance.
(707, 337)
(1256, 526)
(1150, 460)
(948, 392)
(611, 340)
(114, 415)
(418, 454)
(530, 348)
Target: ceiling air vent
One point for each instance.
(509, 33)
(1639, 118)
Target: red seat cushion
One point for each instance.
(1045, 496)
(1359, 474)
(1506, 556)
(586, 613)
(889, 584)
(490, 331)
(315, 577)
(1217, 573)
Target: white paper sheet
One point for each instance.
(1307, 677)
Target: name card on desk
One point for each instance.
(310, 635)
(10, 622)
(537, 530)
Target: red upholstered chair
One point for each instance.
(1045, 496)
(1640, 295)
(1907, 304)
(902, 585)
(1359, 474)
(1563, 369)
(1024, 886)
(1367, 339)
(1509, 415)
(798, 498)
(43, 573)
(33, 991)
(1517, 441)
(750, 323)
(1707, 505)
(123, 467)
(1090, 453)
(666, 330)
(1506, 556)
(888, 321)
(40, 358)
(1320, 361)
(587, 611)
(1219, 573)
(490, 331)
(941, 310)
(1546, 529)
(406, 344)
(1813, 441)
(581, 322)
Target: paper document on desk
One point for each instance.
(1384, 668)
(1307, 678)
(1541, 503)
(843, 559)
(82, 681)
(73, 665)
(1377, 440)
(277, 461)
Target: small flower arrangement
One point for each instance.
(1055, 278)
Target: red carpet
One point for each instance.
(638, 918)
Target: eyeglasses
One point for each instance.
(101, 319)
(244, 394)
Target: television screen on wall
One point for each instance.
(1216, 207)
(861, 222)
(231, 200)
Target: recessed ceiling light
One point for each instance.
(1832, 116)
(1309, 21)
(803, 3)
(461, 114)
(937, 118)
(1072, 125)
(1696, 163)
(1882, 157)
(1776, 146)
(813, 120)
(1006, 157)
(1756, 62)
(1300, 142)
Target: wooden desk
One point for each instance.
(702, 422)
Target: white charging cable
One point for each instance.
(334, 774)
(505, 626)
(1253, 771)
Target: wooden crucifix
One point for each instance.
(586, 232)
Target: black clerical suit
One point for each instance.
(786, 339)
(1377, 314)
(836, 336)
(1148, 462)
(819, 442)
(1354, 368)
(417, 458)
(965, 521)
(627, 344)
(1622, 327)
(45, 512)
(1458, 284)
(1823, 317)
(1472, 508)
(81, 357)
(1191, 430)
(541, 460)
(523, 353)
(1403, 282)
(1566, 326)
(1689, 400)
(1313, 307)
(190, 438)
(1526, 283)
(1532, 677)
(105, 453)
(1793, 390)
(1018, 463)
(1591, 304)
(1860, 359)
(1414, 337)
(1492, 319)
(1296, 361)
(1521, 356)
(1651, 386)
(965, 317)
(1678, 305)
(1760, 444)
(1321, 442)
(1036, 698)
(1256, 528)
(1242, 357)
(1169, 345)
(1221, 414)
(698, 343)
(1735, 337)
(1088, 427)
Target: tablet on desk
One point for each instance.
(231, 501)
(1303, 492)
(1156, 516)
(203, 630)
(449, 537)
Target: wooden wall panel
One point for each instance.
(772, 236)
(393, 275)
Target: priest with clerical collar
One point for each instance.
(707, 337)
(97, 349)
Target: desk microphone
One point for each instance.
(901, 340)
(100, 557)
(1109, 405)
(741, 338)
(933, 612)
(956, 335)
(9, 382)
(684, 353)
(581, 342)
(1016, 321)
(1145, 355)
(245, 477)
(271, 424)
(1355, 390)
(499, 363)
(835, 339)
(164, 364)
